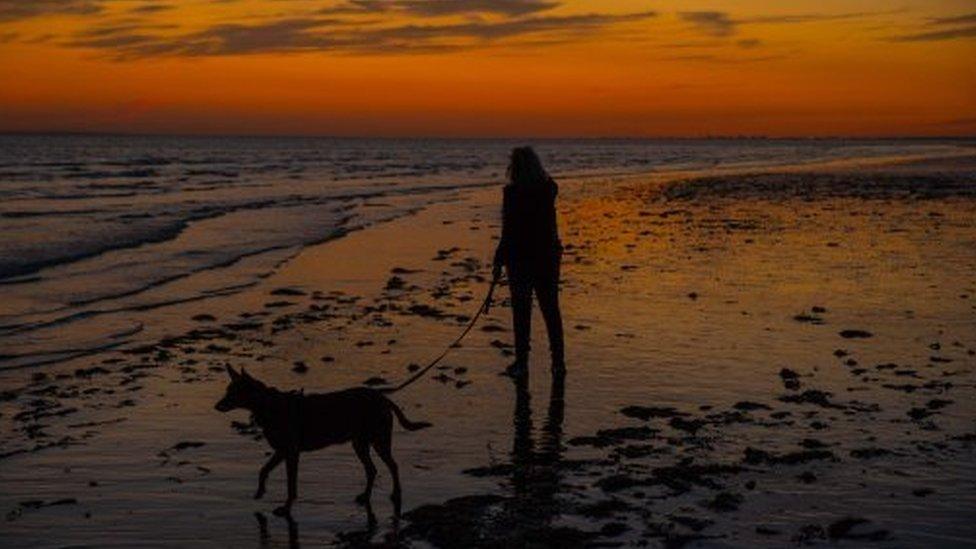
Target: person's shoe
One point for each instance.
(518, 368)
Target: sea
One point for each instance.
(99, 227)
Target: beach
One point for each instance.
(759, 354)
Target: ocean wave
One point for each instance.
(122, 174)
(17, 261)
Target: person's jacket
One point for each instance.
(529, 231)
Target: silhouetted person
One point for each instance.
(530, 251)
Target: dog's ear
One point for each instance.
(251, 380)
(230, 371)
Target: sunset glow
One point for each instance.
(489, 68)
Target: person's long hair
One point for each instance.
(525, 168)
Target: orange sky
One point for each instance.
(489, 67)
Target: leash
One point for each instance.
(485, 307)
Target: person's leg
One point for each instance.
(547, 292)
(521, 292)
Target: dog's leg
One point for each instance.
(384, 450)
(291, 464)
(362, 452)
(266, 470)
(370, 516)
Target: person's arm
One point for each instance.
(503, 242)
(554, 190)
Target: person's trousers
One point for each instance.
(543, 281)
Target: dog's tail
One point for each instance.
(407, 424)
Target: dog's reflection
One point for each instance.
(264, 538)
(361, 537)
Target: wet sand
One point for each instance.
(755, 360)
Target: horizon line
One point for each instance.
(717, 137)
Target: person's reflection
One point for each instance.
(522, 444)
(536, 470)
(552, 431)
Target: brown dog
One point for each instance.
(294, 422)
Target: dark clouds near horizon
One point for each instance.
(957, 27)
(510, 8)
(15, 10)
(722, 24)
(711, 23)
(128, 30)
(12, 10)
(321, 33)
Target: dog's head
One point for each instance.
(242, 391)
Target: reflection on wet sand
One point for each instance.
(536, 477)
(264, 537)
(526, 516)
(356, 538)
(530, 513)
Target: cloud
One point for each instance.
(808, 18)
(711, 23)
(41, 39)
(694, 57)
(937, 29)
(434, 8)
(122, 27)
(133, 41)
(722, 59)
(960, 33)
(11, 10)
(308, 34)
(720, 24)
(488, 31)
(151, 8)
(954, 20)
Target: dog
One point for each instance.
(293, 422)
